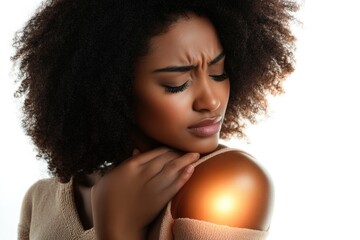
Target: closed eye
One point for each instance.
(219, 78)
(176, 89)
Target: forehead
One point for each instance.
(187, 41)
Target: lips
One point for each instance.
(206, 127)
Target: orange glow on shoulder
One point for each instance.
(228, 192)
(224, 204)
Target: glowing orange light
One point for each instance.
(224, 203)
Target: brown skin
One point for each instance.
(118, 200)
(82, 194)
(165, 118)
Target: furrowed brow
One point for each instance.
(175, 69)
(217, 59)
(187, 68)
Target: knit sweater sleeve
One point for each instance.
(191, 229)
(167, 228)
(25, 215)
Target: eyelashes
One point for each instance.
(183, 87)
(219, 78)
(177, 89)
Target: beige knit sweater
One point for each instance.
(49, 212)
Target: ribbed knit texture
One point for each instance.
(49, 212)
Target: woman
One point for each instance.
(123, 98)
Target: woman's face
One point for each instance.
(180, 87)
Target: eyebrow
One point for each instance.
(217, 59)
(189, 67)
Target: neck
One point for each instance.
(88, 180)
(142, 142)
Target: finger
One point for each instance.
(156, 165)
(175, 166)
(179, 181)
(175, 186)
(171, 189)
(143, 158)
(178, 168)
(167, 192)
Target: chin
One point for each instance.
(192, 144)
(202, 146)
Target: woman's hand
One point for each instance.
(127, 199)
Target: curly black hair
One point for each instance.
(76, 65)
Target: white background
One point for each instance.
(309, 143)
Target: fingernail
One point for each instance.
(189, 169)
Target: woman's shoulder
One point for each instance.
(44, 183)
(40, 195)
(48, 186)
(228, 188)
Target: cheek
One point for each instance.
(156, 111)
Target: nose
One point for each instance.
(206, 98)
